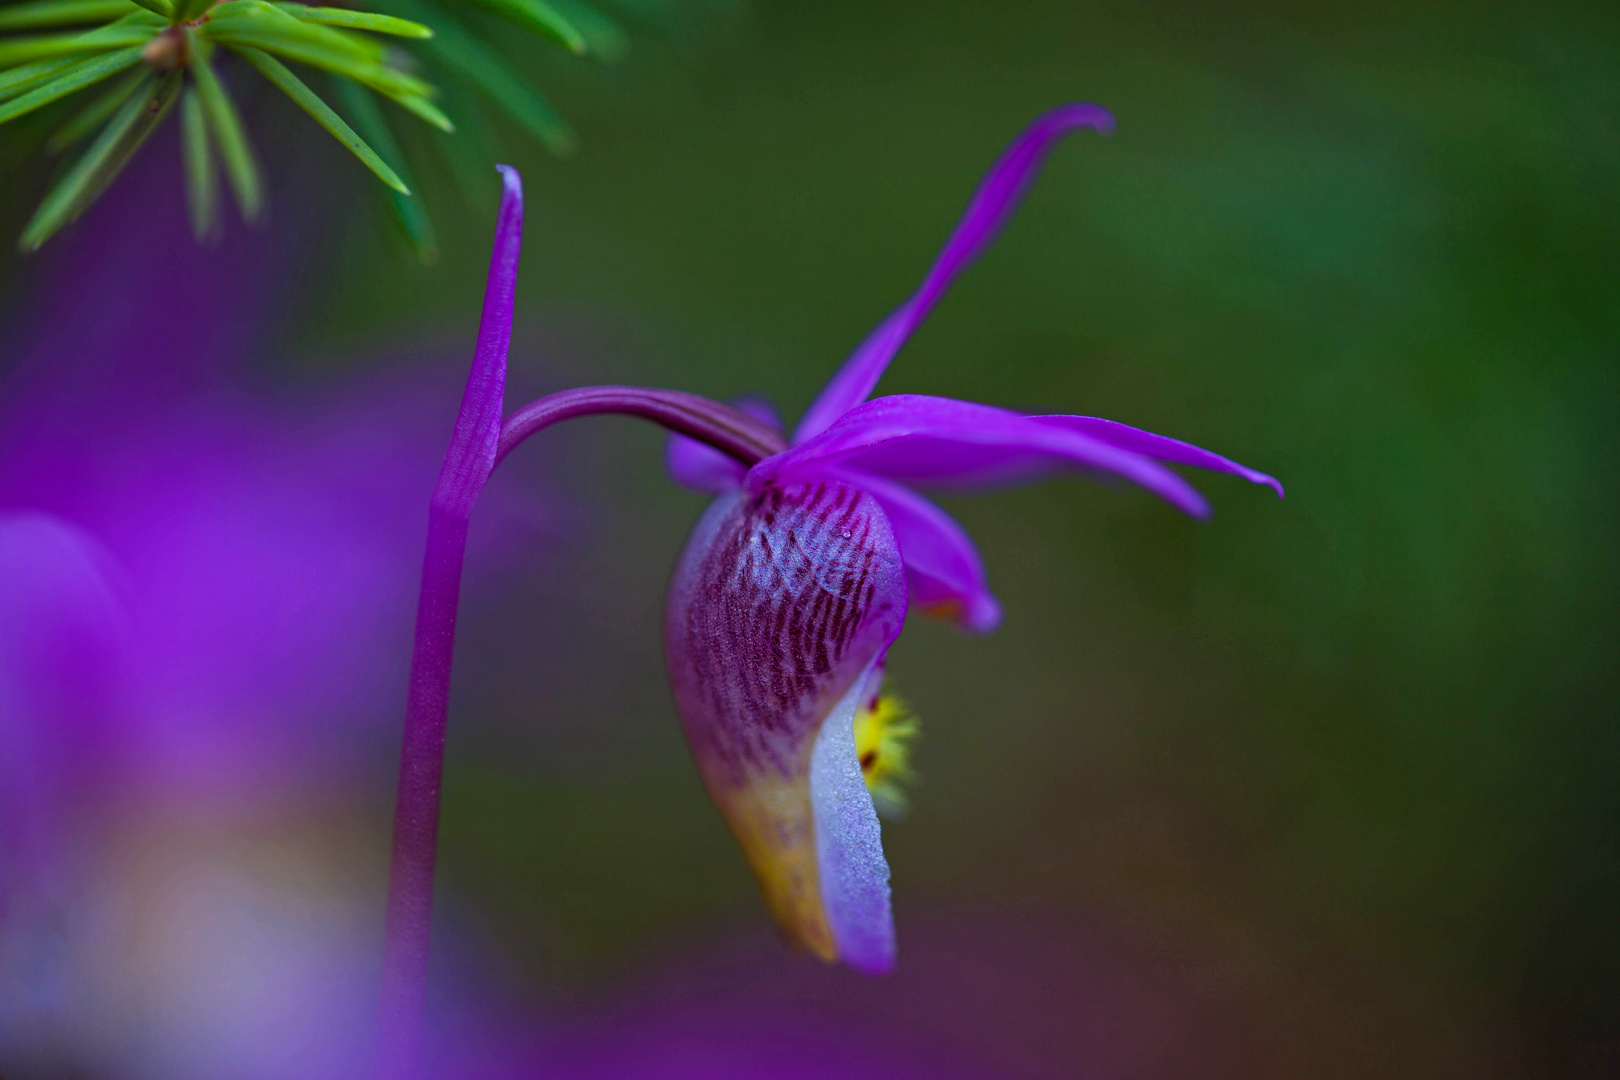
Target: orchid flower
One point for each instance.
(787, 597)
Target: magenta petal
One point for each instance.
(943, 567)
(1160, 447)
(701, 467)
(849, 842)
(921, 439)
(989, 208)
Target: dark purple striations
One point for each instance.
(781, 599)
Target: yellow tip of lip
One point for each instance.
(771, 817)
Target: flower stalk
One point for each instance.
(480, 442)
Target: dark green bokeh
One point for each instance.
(1358, 747)
(1362, 741)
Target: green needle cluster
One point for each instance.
(146, 56)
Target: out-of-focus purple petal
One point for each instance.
(943, 567)
(701, 467)
(61, 625)
(913, 437)
(64, 638)
(849, 843)
(992, 202)
(1161, 447)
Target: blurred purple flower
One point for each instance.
(787, 597)
(63, 638)
(263, 538)
(204, 582)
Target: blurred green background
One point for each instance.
(1353, 754)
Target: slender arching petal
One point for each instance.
(701, 467)
(943, 567)
(921, 439)
(782, 603)
(1159, 447)
(990, 206)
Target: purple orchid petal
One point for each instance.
(61, 623)
(912, 437)
(990, 206)
(695, 465)
(64, 640)
(849, 841)
(943, 567)
(1159, 447)
(699, 466)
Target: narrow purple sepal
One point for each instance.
(471, 457)
(998, 193)
(921, 439)
(1159, 447)
(943, 568)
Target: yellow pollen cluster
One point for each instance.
(884, 730)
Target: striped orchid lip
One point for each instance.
(787, 596)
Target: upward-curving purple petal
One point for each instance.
(989, 208)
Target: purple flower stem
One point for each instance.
(467, 465)
(416, 808)
(478, 444)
